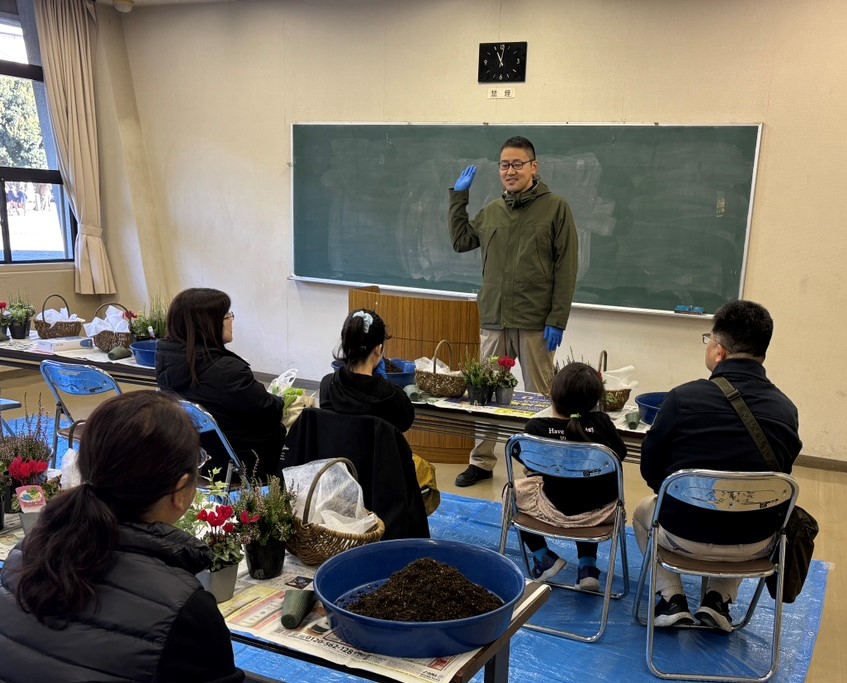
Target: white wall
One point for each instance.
(199, 160)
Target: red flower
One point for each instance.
(506, 363)
(2, 305)
(203, 515)
(129, 315)
(26, 471)
(247, 519)
(229, 527)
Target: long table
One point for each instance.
(460, 419)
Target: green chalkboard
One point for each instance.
(662, 212)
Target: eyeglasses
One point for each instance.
(517, 165)
(229, 316)
(202, 458)
(707, 337)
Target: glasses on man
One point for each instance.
(707, 337)
(517, 165)
(202, 458)
(229, 316)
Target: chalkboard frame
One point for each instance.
(526, 129)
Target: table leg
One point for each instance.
(497, 668)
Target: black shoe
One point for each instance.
(714, 612)
(673, 612)
(472, 475)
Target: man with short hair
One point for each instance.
(529, 263)
(697, 427)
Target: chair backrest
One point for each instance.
(204, 422)
(76, 379)
(566, 459)
(382, 458)
(729, 491)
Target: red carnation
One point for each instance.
(506, 362)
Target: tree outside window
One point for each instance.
(36, 223)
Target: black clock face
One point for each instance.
(502, 62)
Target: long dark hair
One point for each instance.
(136, 448)
(196, 318)
(576, 389)
(362, 332)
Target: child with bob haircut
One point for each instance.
(576, 390)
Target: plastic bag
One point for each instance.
(70, 472)
(337, 501)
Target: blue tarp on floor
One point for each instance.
(619, 654)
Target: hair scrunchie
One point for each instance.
(367, 320)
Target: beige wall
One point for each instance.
(196, 104)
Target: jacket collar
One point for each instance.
(519, 198)
(172, 546)
(739, 366)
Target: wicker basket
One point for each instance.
(440, 386)
(108, 340)
(613, 399)
(314, 543)
(61, 329)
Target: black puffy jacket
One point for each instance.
(152, 621)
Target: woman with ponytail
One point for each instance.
(576, 390)
(104, 588)
(359, 387)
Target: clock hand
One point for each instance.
(499, 56)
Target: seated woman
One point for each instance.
(575, 392)
(192, 362)
(356, 388)
(103, 587)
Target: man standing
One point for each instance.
(697, 427)
(529, 262)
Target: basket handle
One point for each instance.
(111, 303)
(50, 296)
(435, 356)
(603, 362)
(350, 466)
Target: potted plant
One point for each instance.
(504, 381)
(19, 316)
(214, 523)
(479, 376)
(24, 461)
(265, 516)
(4, 321)
(150, 323)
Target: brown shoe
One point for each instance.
(472, 475)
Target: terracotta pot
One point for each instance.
(221, 583)
(504, 395)
(265, 561)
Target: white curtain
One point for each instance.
(65, 29)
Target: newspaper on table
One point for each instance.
(256, 609)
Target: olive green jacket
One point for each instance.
(529, 257)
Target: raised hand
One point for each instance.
(465, 180)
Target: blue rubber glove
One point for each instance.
(465, 180)
(553, 337)
(380, 369)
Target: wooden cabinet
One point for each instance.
(416, 325)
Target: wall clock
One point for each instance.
(502, 62)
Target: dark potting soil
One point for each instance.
(426, 590)
(391, 367)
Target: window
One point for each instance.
(36, 224)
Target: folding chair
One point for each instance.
(75, 380)
(7, 404)
(204, 422)
(569, 460)
(736, 492)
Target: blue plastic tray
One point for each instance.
(367, 567)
